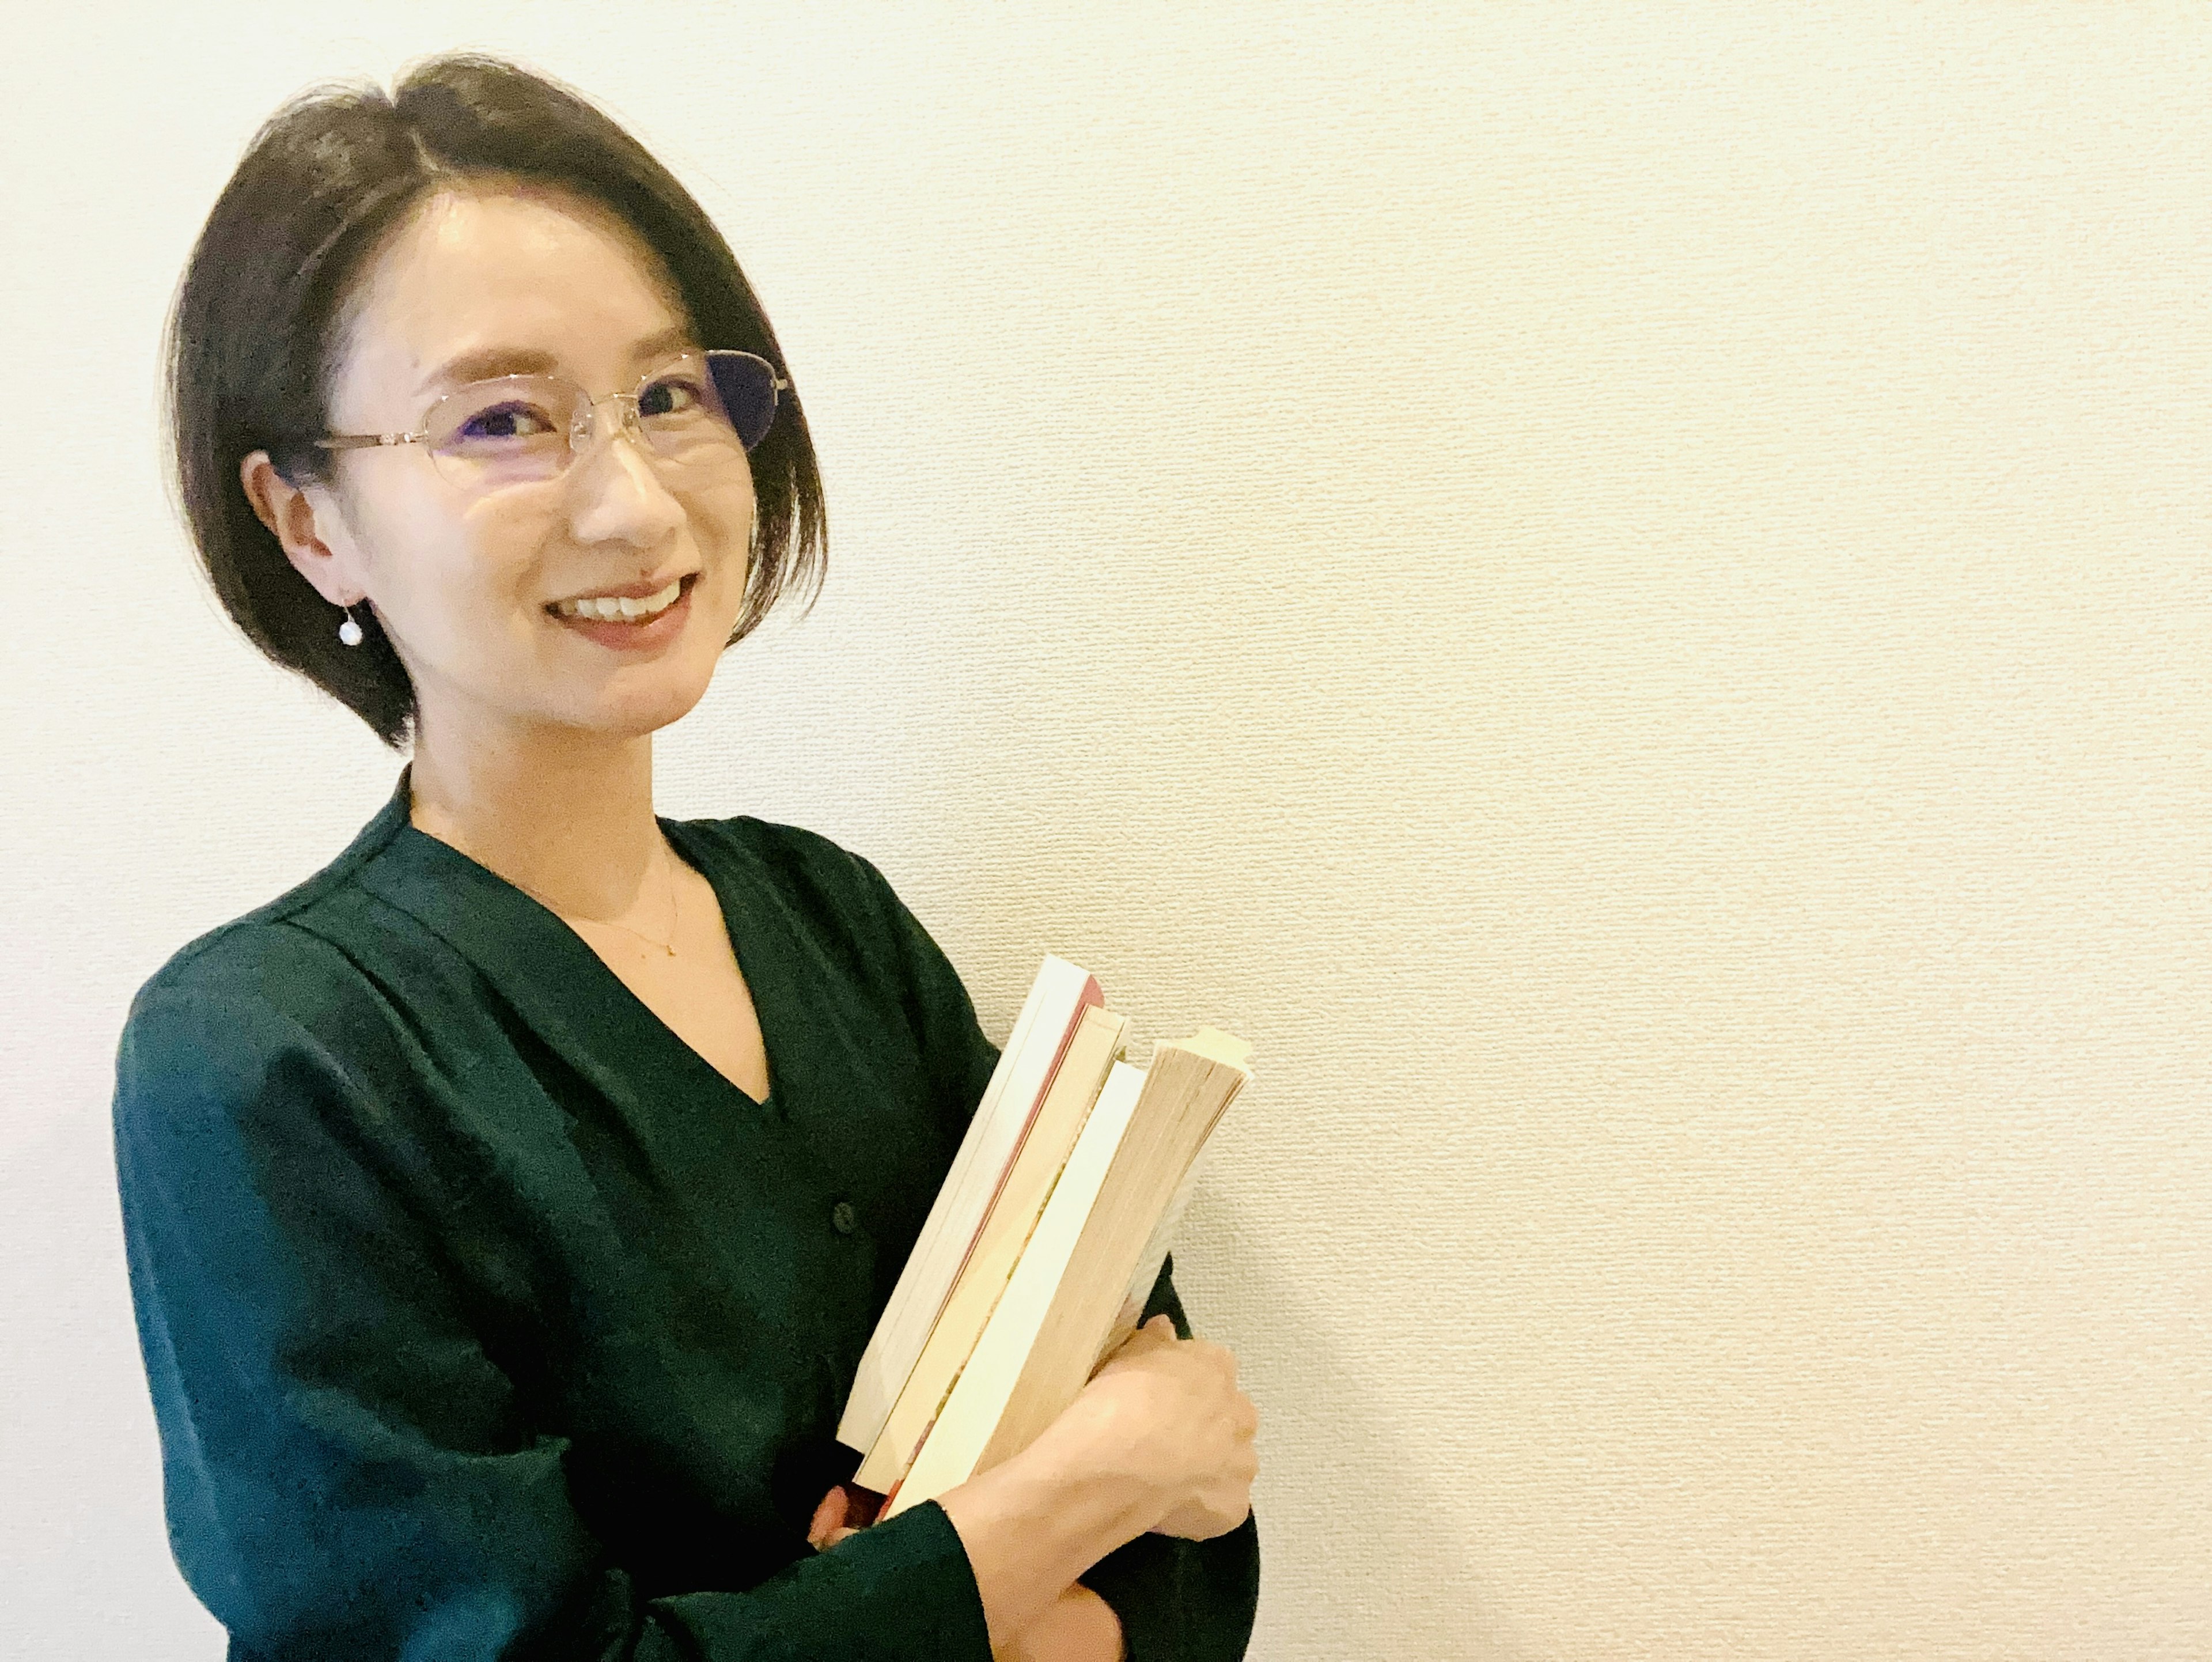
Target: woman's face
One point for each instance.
(466, 582)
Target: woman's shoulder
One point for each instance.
(275, 948)
(263, 955)
(228, 1000)
(248, 1001)
(828, 893)
(806, 866)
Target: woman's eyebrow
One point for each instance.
(481, 362)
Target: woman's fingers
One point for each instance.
(827, 1528)
(843, 1512)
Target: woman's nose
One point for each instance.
(618, 491)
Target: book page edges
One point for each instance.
(1233, 1052)
(1085, 1306)
(1216, 1046)
(1149, 1265)
(1089, 999)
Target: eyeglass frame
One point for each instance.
(777, 385)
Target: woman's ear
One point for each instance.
(306, 520)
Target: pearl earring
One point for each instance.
(349, 631)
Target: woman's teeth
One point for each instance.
(610, 610)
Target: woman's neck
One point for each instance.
(565, 816)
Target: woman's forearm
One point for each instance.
(1076, 1627)
(1033, 1524)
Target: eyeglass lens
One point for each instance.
(699, 413)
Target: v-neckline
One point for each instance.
(673, 830)
(605, 1027)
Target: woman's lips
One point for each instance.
(655, 632)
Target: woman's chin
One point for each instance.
(631, 706)
(635, 717)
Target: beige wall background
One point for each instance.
(1623, 589)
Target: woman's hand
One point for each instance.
(1158, 1439)
(844, 1511)
(1169, 1409)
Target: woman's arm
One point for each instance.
(1079, 1625)
(1185, 1598)
(1076, 1627)
(1179, 1600)
(348, 1473)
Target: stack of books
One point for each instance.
(1043, 1245)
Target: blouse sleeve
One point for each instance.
(348, 1472)
(1177, 1600)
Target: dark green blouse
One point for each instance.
(484, 1318)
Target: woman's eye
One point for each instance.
(674, 395)
(507, 421)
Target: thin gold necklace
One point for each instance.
(667, 946)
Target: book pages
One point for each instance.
(1014, 1216)
(1185, 1091)
(978, 1398)
(1060, 991)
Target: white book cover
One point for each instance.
(980, 1395)
(1055, 1000)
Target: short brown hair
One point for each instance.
(251, 353)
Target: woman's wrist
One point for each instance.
(1033, 1524)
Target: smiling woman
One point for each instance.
(509, 1205)
(520, 496)
(459, 213)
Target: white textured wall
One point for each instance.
(1622, 589)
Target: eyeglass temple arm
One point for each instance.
(774, 379)
(366, 441)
